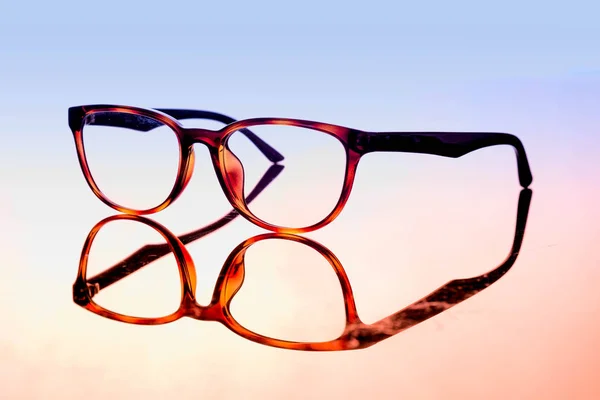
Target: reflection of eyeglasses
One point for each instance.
(355, 335)
(157, 161)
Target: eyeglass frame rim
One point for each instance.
(216, 142)
(219, 308)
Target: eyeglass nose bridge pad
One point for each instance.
(233, 278)
(233, 175)
(187, 169)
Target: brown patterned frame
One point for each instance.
(230, 171)
(356, 335)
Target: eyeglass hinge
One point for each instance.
(83, 292)
(362, 141)
(93, 289)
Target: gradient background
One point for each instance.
(412, 223)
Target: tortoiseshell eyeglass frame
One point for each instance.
(356, 335)
(230, 171)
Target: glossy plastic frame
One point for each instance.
(230, 171)
(356, 335)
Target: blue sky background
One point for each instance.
(379, 65)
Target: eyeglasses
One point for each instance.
(234, 274)
(138, 161)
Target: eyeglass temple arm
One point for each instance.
(446, 144)
(145, 124)
(151, 252)
(452, 293)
